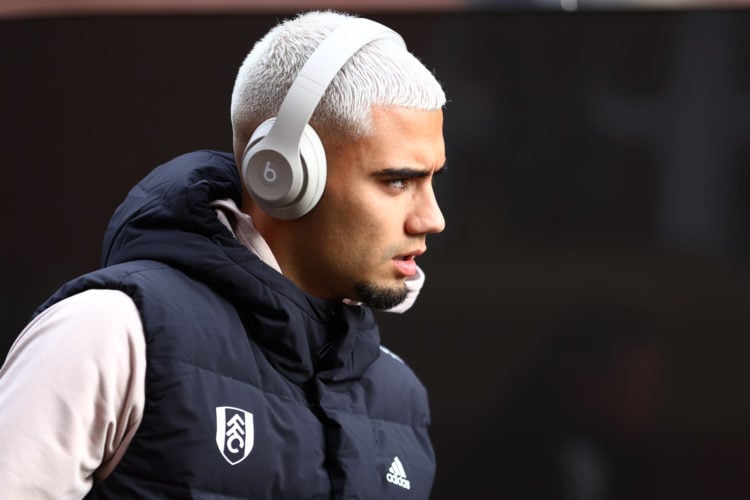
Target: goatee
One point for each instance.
(380, 297)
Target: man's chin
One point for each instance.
(381, 297)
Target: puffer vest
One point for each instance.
(254, 389)
(222, 421)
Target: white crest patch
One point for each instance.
(234, 433)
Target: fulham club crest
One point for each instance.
(234, 433)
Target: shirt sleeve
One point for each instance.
(71, 396)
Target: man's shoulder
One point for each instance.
(98, 302)
(392, 354)
(391, 365)
(147, 274)
(91, 308)
(395, 391)
(117, 286)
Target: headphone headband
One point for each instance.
(319, 71)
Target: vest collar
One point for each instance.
(168, 218)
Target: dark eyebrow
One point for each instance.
(407, 172)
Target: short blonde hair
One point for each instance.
(380, 74)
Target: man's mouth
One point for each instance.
(406, 264)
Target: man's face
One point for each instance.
(361, 240)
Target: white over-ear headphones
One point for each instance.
(284, 164)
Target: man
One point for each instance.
(227, 348)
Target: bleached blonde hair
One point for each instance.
(380, 74)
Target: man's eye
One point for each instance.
(397, 183)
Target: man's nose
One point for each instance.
(426, 217)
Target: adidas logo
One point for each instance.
(397, 475)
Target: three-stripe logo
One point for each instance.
(397, 475)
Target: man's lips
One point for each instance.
(406, 263)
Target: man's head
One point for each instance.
(381, 73)
(380, 122)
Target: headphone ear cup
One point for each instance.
(310, 175)
(257, 191)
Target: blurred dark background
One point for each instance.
(583, 332)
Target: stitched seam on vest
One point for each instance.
(302, 401)
(232, 264)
